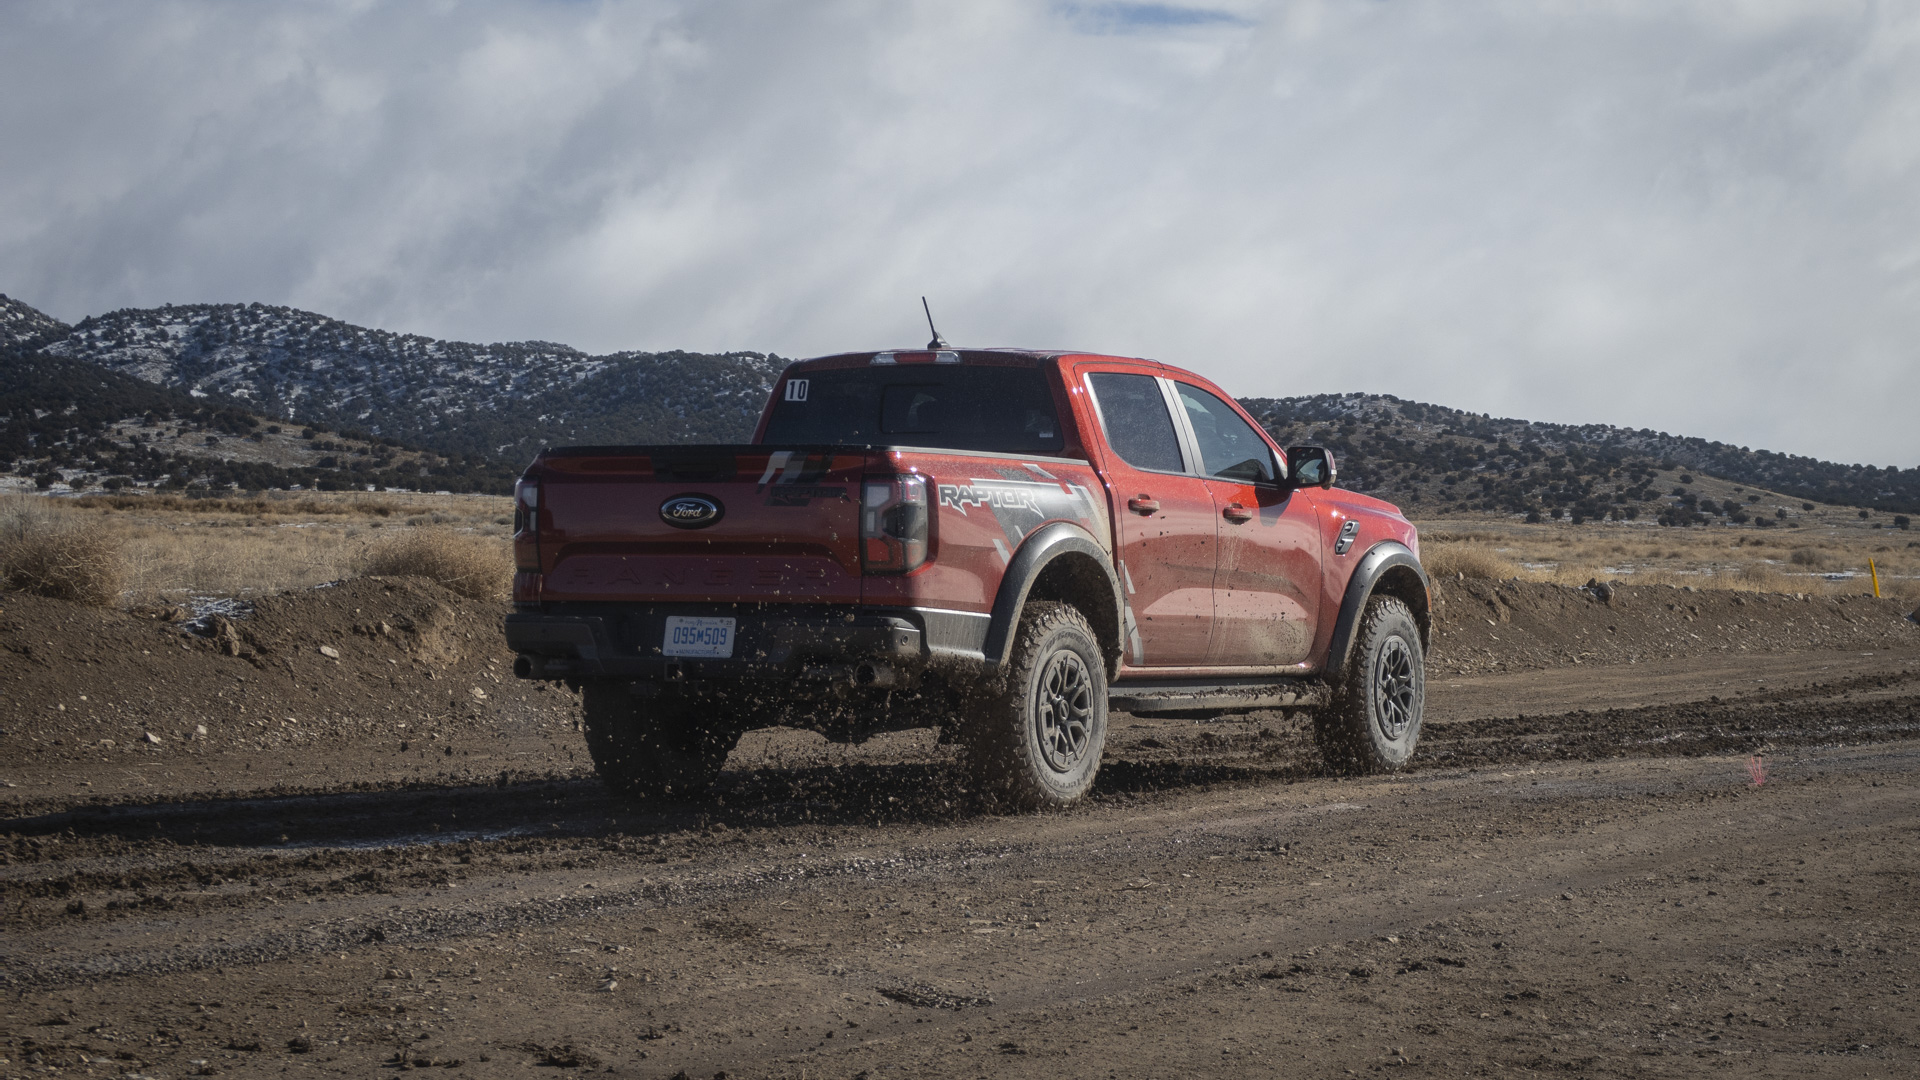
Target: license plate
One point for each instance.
(698, 637)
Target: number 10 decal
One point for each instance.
(796, 389)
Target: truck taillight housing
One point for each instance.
(526, 524)
(894, 524)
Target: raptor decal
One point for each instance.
(1020, 504)
(997, 494)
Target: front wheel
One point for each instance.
(1037, 740)
(1373, 723)
(652, 748)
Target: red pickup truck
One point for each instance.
(999, 543)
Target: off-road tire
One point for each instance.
(651, 748)
(1036, 738)
(1373, 722)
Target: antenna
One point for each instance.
(938, 342)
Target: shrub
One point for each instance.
(1811, 558)
(46, 551)
(472, 566)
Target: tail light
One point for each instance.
(526, 524)
(894, 524)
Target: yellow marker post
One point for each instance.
(1875, 571)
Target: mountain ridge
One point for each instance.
(1528, 466)
(484, 410)
(450, 396)
(25, 326)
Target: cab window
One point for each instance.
(1229, 447)
(960, 407)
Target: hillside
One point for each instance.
(501, 401)
(68, 422)
(22, 326)
(1433, 460)
(417, 412)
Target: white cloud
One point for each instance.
(1698, 218)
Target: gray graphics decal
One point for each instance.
(1134, 644)
(1132, 627)
(1020, 504)
(793, 478)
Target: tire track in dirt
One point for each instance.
(1157, 899)
(590, 834)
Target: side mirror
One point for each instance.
(1311, 466)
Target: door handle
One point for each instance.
(1143, 504)
(1237, 513)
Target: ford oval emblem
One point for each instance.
(691, 511)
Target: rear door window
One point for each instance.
(1134, 413)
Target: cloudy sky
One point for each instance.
(1700, 218)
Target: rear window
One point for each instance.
(944, 407)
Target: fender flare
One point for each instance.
(1043, 546)
(1380, 558)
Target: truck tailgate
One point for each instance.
(787, 528)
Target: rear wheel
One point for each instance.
(1373, 723)
(652, 748)
(1036, 741)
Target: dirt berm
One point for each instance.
(1519, 625)
(382, 682)
(373, 681)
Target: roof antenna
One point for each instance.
(938, 342)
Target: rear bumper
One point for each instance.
(866, 646)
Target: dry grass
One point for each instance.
(173, 561)
(274, 503)
(472, 566)
(174, 547)
(1468, 560)
(1816, 561)
(47, 550)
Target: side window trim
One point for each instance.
(1183, 427)
(1174, 413)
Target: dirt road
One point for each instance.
(1582, 875)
